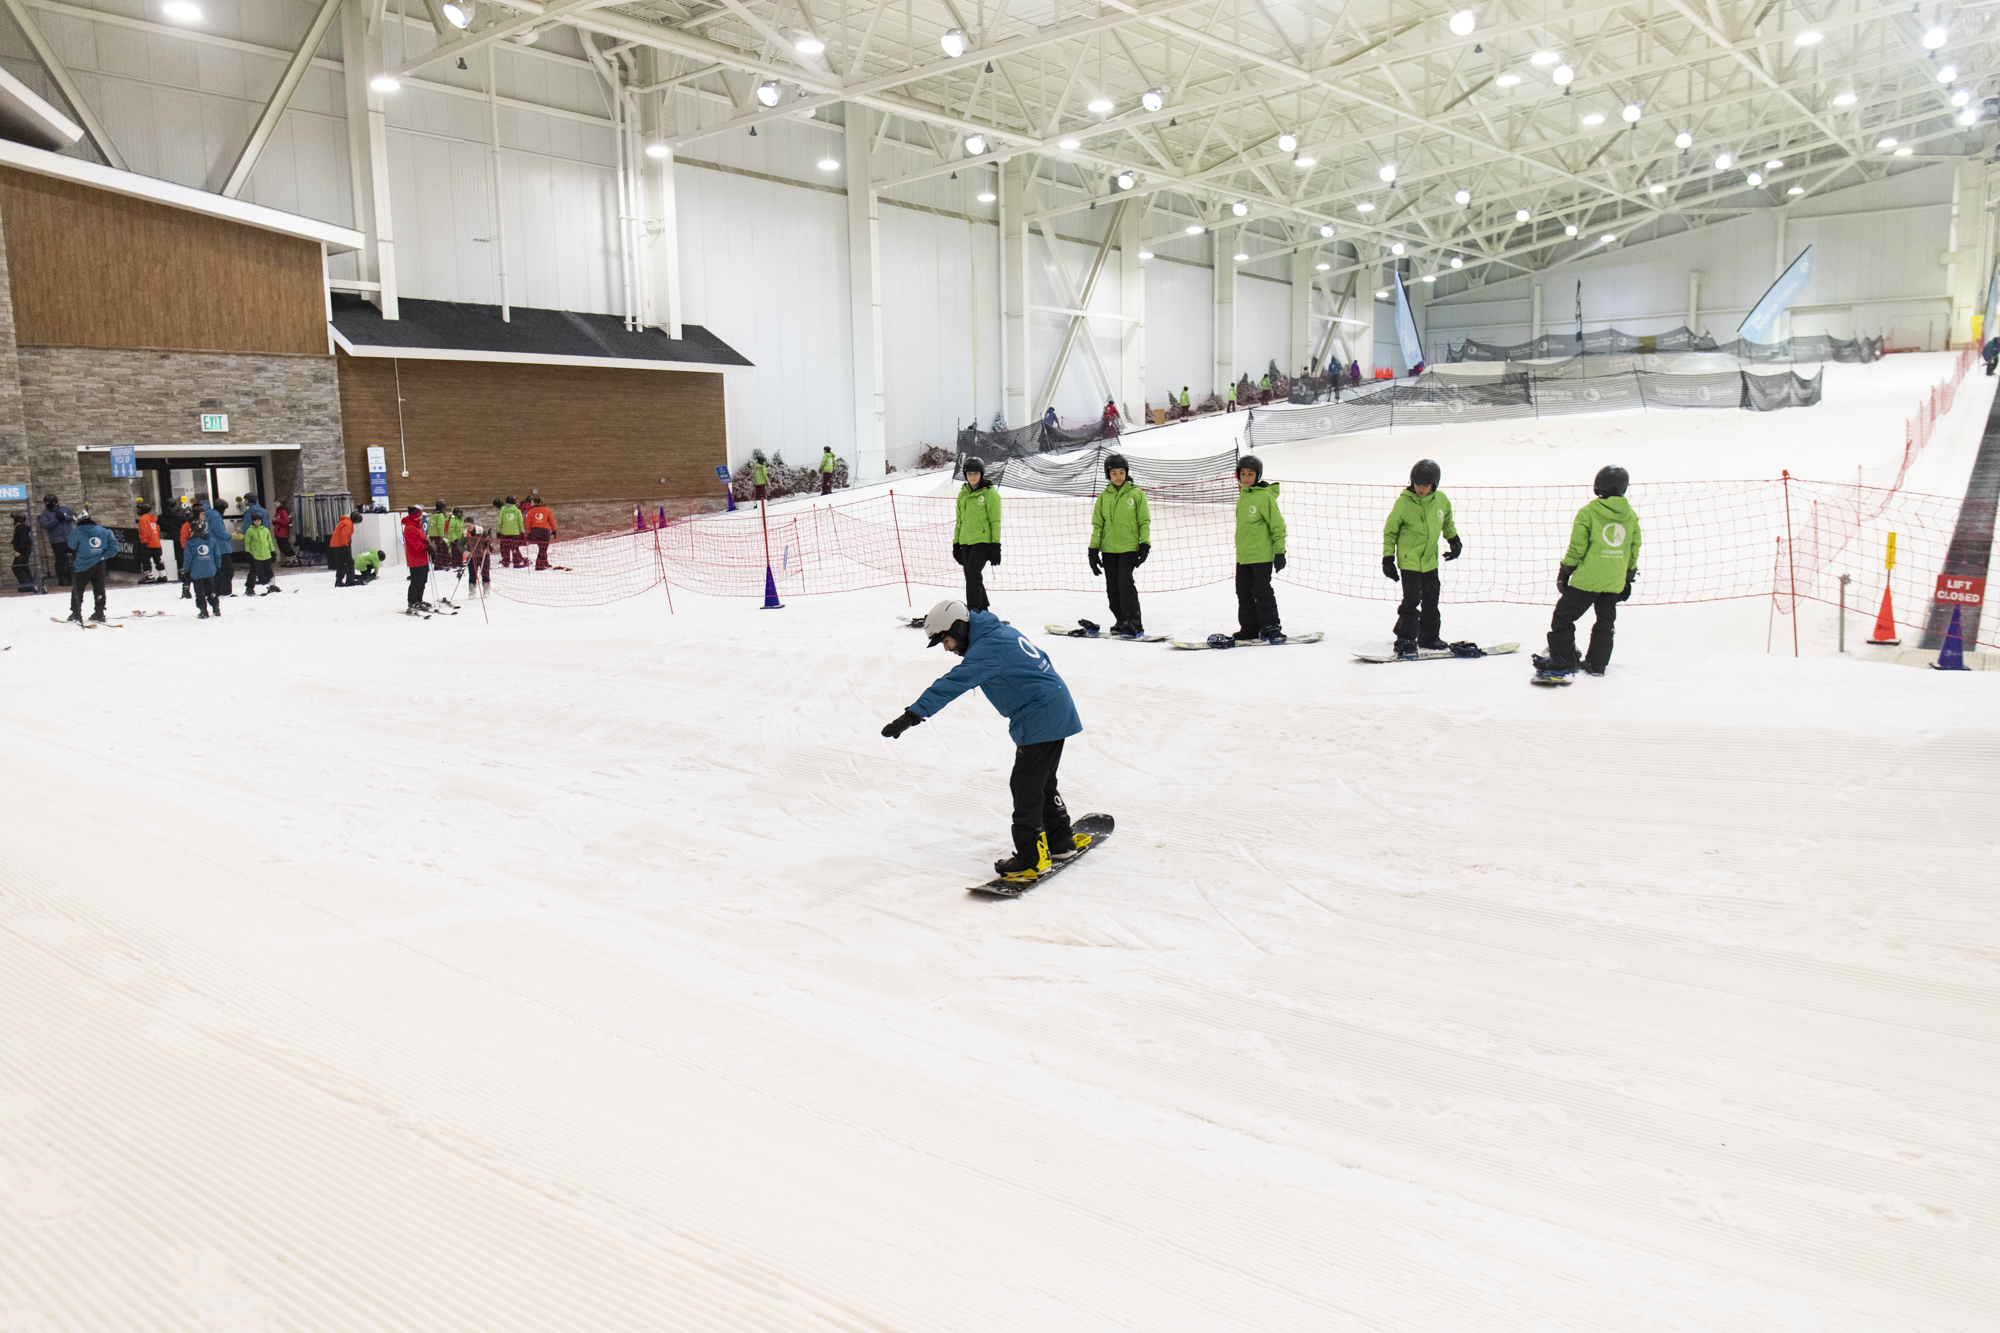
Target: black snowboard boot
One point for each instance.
(97, 618)
(215, 606)
(75, 617)
(1592, 669)
(1544, 662)
(1030, 858)
(1434, 646)
(187, 591)
(1406, 647)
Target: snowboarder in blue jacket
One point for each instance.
(90, 547)
(201, 560)
(225, 546)
(1022, 685)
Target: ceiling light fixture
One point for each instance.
(1947, 74)
(657, 150)
(1239, 208)
(1885, 143)
(1774, 164)
(1522, 215)
(1755, 178)
(1153, 98)
(1723, 161)
(180, 11)
(1543, 59)
(1430, 277)
(1796, 189)
(1462, 197)
(1397, 248)
(1845, 99)
(1809, 38)
(1904, 152)
(1070, 145)
(1145, 254)
(1126, 180)
(1101, 105)
(1242, 259)
(382, 83)
(1387, 173)
(1935, 38)
(975, 145)
(1683, 140)
(1288, 143)
(1656, 188)
(1457, 262)
(1326, 231)
(1632, 112)
(1382, 295)
(986, 196)
(808, 45)
(768, 92)
(1364, 207)
(1305, 163)
(1463, 22)
(1322, 266)
(1593, 119)
(458, 13)
(1961, 97)
(1508, 80)
(1969, 116)
(1194, 229)
(829, 164)
(1563, 75)
(1570, 230)
(1607, 238)
(953, 42)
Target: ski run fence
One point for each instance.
(1702, 541)
(1614, 342)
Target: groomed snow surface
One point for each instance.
(591, 970)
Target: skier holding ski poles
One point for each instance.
(1022, 685)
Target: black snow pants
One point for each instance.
(1038, 806)
(93, 578)
(1417, 618)
(1119, 589)
(974, 563)
(1256, 604)
(419, 575)
(1562, 629)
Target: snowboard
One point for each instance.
(1438, 654)
(1194, 645)
(1552, 678)
(1066, 631)
(1099, 828)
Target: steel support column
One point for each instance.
(1299, 344)
(1225, 309)
(368, 153)
(864, 296)
(1132, 305)
(662, 219)
(1016, 204)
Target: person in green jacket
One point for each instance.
(1421, 514)
(1121, 537)
(262, 548)
(437, 527)
(760, 474)
(1597, 573)
(1186, 410)
(1232, 395)
(454, 537)
(827, 464)
(367, 564)
(512, 528)
(975, 539)
(1260, 552)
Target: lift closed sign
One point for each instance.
(1960, 590)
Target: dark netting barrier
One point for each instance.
(1082, 472)
(1433, 400)
(1615, 342)
(1025, 441)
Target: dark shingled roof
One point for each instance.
(461, 327)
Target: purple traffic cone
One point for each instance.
(1951, 657)
(771, 602)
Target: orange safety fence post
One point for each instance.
(1791, 563)
(901, 559)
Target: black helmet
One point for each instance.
(49, 499)
(1426, 473)
(1254, 463)
(1116, 461)
(249, 500)
(496, 504)
(510, 499)
(974, 465)
(145, 507)
(440, 506)
(1612, 480)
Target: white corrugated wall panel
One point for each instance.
(940, 337)
(1263, 326)
(1180, 331)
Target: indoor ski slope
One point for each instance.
(595, 970)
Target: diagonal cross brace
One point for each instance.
(1078, 324)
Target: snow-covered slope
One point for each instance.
(606, 970)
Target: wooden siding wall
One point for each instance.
(472, 430)
(94, 269)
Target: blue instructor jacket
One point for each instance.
(200, 558)
(92, 544)
(1020, 682)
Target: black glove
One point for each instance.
(1096, 566)
(957, 553)
(901, 724)
(1562, 576)
(1145, 549)
(1278, 563)
(1457, 547)
(996, 553)
(1626, 596)
(1389, 569)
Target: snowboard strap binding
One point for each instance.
(1466, 648)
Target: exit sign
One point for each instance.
(214, 421)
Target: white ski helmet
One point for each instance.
(947, 617)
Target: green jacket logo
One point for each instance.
(1614, 535)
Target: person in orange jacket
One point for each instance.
(541, 528)
(149, 546)
(340, 550)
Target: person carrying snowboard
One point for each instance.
(1023, 687)
(1260, 552)
(975, 539)
(1597, 573)
(1121, 537)
(1421, 514)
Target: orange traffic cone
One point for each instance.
(1885, 623)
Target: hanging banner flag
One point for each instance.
(1579, 311)
(1761, 324)
(1992, 329)
(1406, 330)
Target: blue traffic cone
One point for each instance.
(1951, 657)
(730, 495)
(771, 602)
